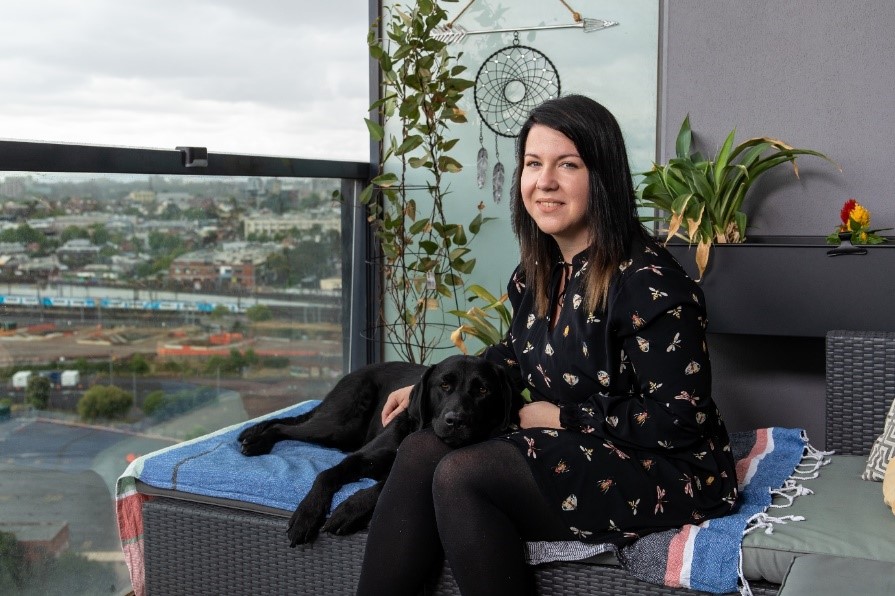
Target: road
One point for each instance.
(61, 471)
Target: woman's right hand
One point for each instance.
(396, 402)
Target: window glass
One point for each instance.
(266, 77)
(205, 301)
(138, 312)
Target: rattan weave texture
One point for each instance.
(194, 548)
(860, 378)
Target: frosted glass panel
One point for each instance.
(616, 66)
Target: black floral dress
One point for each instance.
(643, 447)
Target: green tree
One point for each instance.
(236, 361)
(104, 401)
(258, 313)
(73, 233)
(37, 393)
(251, 358)
(277, 268)
(161, 243)
(24, 234)
(219, 312)
(99, 235)
(138, 364)
(153, 402)
(12, 561)
(216, 364)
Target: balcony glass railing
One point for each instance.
(147, 298)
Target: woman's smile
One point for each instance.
(554, 185)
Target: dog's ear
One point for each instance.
(419, 400)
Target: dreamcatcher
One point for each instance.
(510, 82)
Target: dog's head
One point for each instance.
(464, 399)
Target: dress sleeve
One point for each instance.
(658, 321)
(503, 352)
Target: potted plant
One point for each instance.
(701, 199)
(423, 257)
(487, 323)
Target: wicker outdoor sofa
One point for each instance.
(222, 547)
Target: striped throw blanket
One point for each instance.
(704, 557)
(707, 556)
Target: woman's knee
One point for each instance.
(460, 473)
(421, 451)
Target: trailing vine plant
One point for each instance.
(423, 257)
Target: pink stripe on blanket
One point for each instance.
(680, 557)
(130, 531)
(747, 466)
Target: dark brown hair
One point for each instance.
(611, 210)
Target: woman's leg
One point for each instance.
(403, 545)
(487, 505)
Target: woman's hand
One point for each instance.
(396, 402)
(539, 414)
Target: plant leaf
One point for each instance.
(684, 139)
(702, 257)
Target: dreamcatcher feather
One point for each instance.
(497, 182)
(510, 82)
(481, 161)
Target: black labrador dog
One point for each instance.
(464, 399)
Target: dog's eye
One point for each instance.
(483, 390)
(446, 386)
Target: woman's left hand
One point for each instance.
(539, 414)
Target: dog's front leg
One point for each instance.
(373, 460)
(355, 512)
(310, 514)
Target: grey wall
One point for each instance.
(817, 74)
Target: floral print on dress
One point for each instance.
(643, 446)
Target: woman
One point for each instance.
(621, 438)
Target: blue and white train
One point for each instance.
(196, 306)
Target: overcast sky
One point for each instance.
(269, 77)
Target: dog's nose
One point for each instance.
(453, 418)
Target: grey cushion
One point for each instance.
(823, 575)
(845, 517)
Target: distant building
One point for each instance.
(13, 210)
(40, 267)
(331, 284)
(12, 248)
(41, 540)
(14, 186)
(236, 266)
(141, 196)
(78, 252)
(58, 223)
(272, 224)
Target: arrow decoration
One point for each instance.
(457, 34)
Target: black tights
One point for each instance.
(479, 503)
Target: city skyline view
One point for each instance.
(194, 303)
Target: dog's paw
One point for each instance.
(349, 517)
(254, 440)
(342, 523)
(305, 524)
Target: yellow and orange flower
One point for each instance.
(853, 211)
(856, 219)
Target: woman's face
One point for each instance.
(555, 188)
